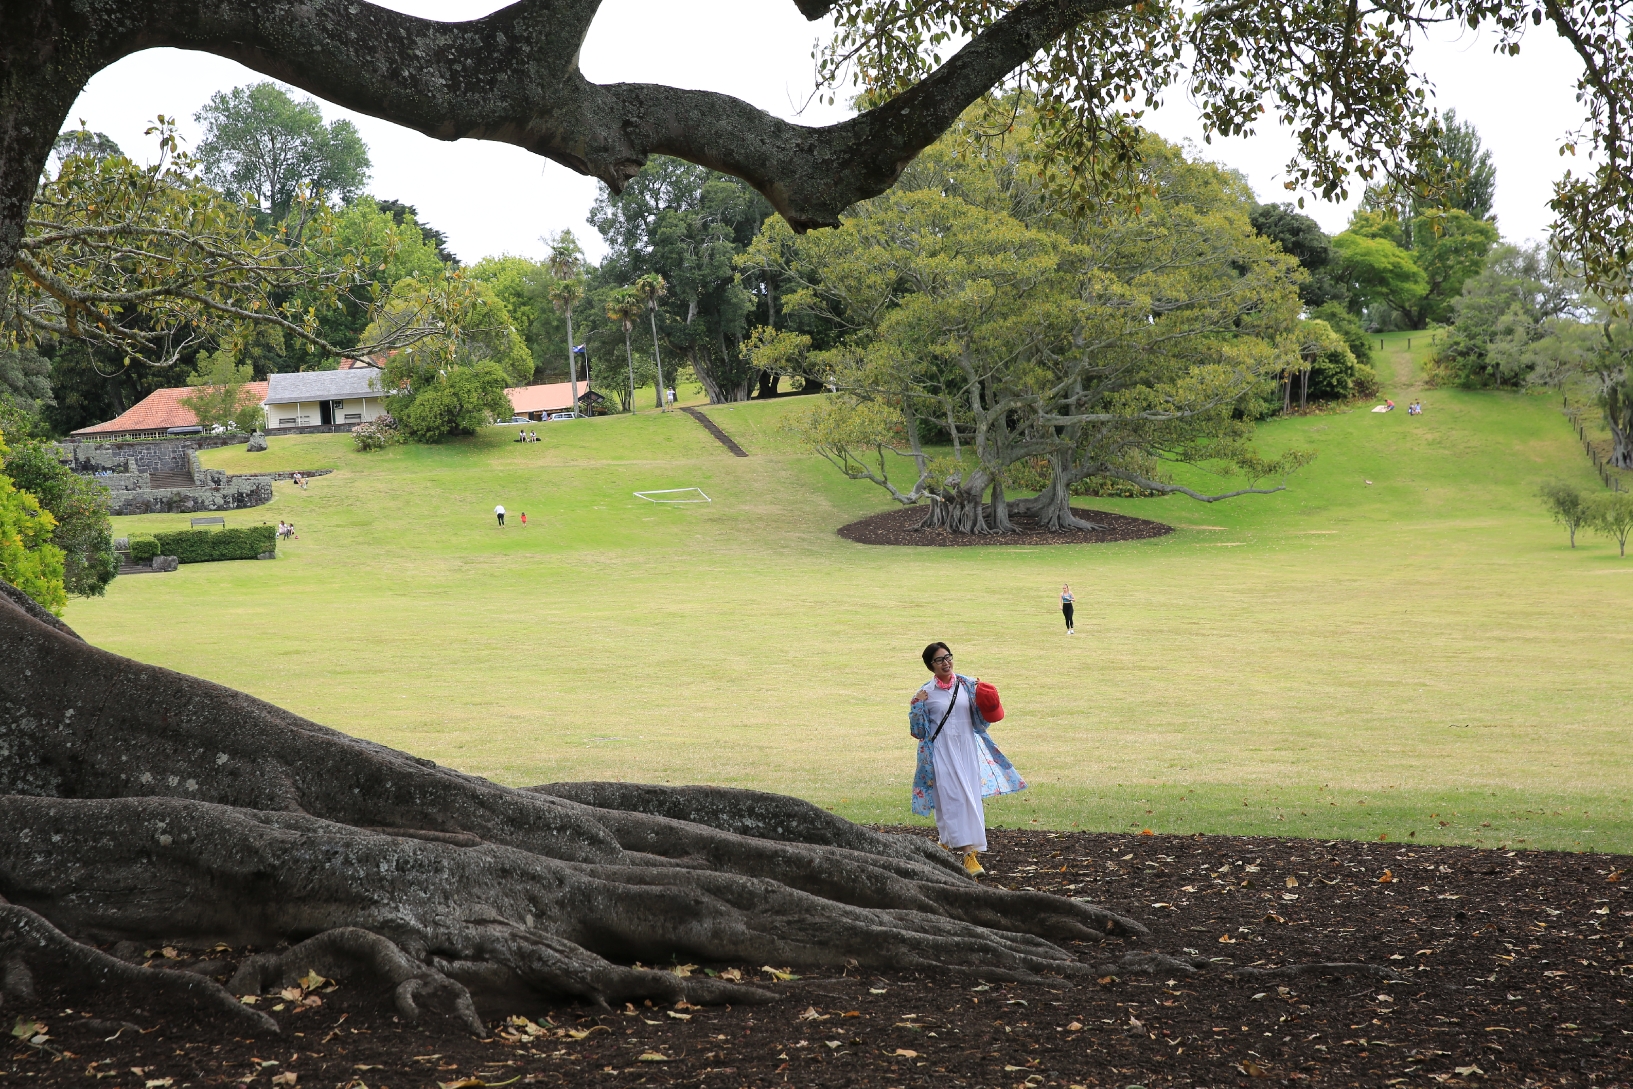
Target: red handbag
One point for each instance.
(987, 702)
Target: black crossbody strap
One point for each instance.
(958, 687)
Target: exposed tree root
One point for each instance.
(348, 952)
(30, 946)
(751, 813)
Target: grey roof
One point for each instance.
(322, 385)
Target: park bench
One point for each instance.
(217, 521)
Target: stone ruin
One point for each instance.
(163, 478)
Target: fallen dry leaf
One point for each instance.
(680, 1016)
(781, 975)
(579, 1034)
(684, 970)
(904, 1053)
(288, 1077)
(312, 981)
(291, 994)
(653, 1057)
(735, 975)
(1253, 1069)
(1387, 877)
(1471, 1071)
(24, 1029)
(1075, 1026)
(1292, 882)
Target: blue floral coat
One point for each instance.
(998, 775)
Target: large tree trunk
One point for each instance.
(1052, 507)
(146, 805)
(1618, 399)
(959, 508)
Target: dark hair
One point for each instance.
(930, 652)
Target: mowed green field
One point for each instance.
(1399, 645)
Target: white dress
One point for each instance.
(961, 820)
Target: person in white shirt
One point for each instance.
(499, 511)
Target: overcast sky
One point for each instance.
(494, 198)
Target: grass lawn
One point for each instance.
(1399, 645)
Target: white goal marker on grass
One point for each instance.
(674, 491)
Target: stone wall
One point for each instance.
(233, 493)
(126, 469)
(90, 458)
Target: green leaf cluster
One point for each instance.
(79, 508)
(28, 558)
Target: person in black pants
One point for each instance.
(1066, 601)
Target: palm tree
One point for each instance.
(652, 288)
(566, 261)
(566, 295)
(623, 307)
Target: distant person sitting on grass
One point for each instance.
(499, 511)
(957, 762)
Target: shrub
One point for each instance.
(377, 434)
(1567, 506)
(143, 547)
(1365, 383)
(207, 546)
(461, 402)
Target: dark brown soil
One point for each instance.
(895, 527)
(1517, 966)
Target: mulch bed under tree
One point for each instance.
(896, 527)
(1513, 969)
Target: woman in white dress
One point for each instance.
(958, 764)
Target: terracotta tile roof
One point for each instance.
(551, 397)
(162, 409)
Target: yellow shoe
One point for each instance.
(972, 865)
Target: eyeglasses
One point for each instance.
(941, 658)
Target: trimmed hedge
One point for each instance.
(207, 546)
(143, 547)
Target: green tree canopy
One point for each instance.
(688, 224)
(218, 397)
(1104, 347)
(28, 558)
(458, 353)
(263, 146)
(1505, 310)
(1302, 238)
(78, 506)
